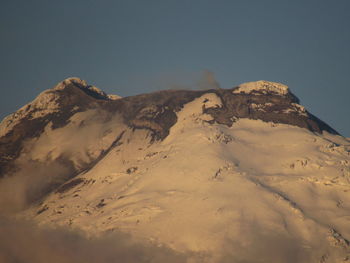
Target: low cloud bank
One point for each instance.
(24, 242)
(258, 244)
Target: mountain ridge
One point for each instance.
(154, 111)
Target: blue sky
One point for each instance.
(131, 47)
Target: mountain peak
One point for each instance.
(72, 80)
(264, 87)
(90, 90)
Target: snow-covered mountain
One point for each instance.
(239, 175)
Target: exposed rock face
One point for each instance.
(267, 101)
(267, 105)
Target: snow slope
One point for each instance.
(252, 192)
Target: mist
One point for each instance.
(31, 183)
(25, 242)
(55, 157)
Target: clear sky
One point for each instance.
(131, 47)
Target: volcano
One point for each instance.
(224, 175)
